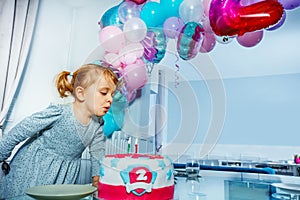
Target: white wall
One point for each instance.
(66, 32)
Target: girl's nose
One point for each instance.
(109, 99)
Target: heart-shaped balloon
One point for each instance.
(229, 17)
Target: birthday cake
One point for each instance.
(136, 176)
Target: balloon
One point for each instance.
(110, 125)
(113, 59)
(135, 29)
(128, 10)
(114, 118)
(154, 45)
(208, 42)
(228, 17)
(279, 24)
(112, 38)
(250, 39)
(130, 53)
(171, 7)
(135, 76)
(191, 10)
(152, 14)
(131, 96)
(206, 7)
(110, 17)
(189, 40)
(172, 27)
(249, 2)
(289, 4)
(138, 1)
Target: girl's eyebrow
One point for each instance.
(105, 87)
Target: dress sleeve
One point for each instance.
(97, 151)
(28, 127)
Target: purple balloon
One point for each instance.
(172, 27)
(278, 24)
(289, 4)
(250, 39)
(249, 2)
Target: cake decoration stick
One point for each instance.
(118, 142)
(128, 145)
(106, 147)
(136, 145)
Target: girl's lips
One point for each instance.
(106, 109)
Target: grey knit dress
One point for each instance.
(52, 151)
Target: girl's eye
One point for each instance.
(103, 93)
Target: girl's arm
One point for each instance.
(97, 151)
(27, 128)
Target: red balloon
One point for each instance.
(229, 17)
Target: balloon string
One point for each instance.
(149, 66)
(176, 73)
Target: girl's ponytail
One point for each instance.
(63, 84)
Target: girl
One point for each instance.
(57, 136)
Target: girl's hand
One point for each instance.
(5, 167)
(95, 181)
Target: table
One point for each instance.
(223, 186)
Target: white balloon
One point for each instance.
(191, 10)
(135, 29)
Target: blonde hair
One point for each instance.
(85, 76)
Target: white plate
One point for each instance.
(289, 188)
(60, 192)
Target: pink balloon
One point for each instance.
(209, 39)
(131, 95)
(139, 62)
(135, 76)
(112, 38)
(206, 7)
(113, 59)
(131, 52)
(208, 42)
(250, 39)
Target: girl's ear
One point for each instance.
(79, 91)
